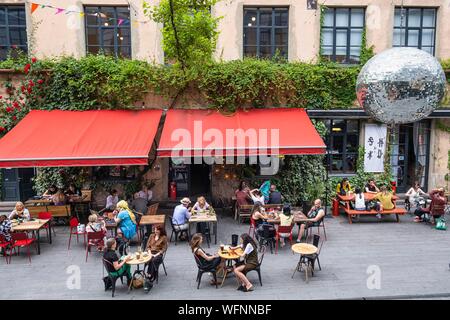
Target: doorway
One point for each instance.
(17, 184)
(410, 145)
(191, 179)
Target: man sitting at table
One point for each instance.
(112, 200)
(181, 216)
(20, 212)
(436, 208)
(115, 266)
(274, 195)
(371, 187)
(312, 218)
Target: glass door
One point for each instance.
(399, 142)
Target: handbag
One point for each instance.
(138, 282)
(440, 224)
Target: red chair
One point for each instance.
(19, 240)
(93, 238)
(46, 216)
(283, 229)
(4, 245)
(252, 229)
(73, 225)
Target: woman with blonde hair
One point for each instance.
(95, 226)
(201, 205)
(126, 221)
(19, 212)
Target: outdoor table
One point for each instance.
(229, 257)
(297, 219)
(303, 249)
(203, 218)
(150, 220)
(34, 226)
(137, 262)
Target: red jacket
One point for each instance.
(438, 202)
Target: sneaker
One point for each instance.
(298, 241)
(378, 215)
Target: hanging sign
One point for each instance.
(374, 147)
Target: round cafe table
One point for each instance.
(304, 249)
(137, 262)
(229, 257)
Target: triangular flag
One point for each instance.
(59, 10)
(119, 22)
(34, 6)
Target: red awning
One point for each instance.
(80, 138)
(285, 131)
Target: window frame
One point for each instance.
(273, 46)
(7, 26)
(348, 29)
(100, 29)
(420, 29)
(343, 155)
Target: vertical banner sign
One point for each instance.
(374, 147)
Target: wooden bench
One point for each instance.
(59, 211)
(396, 211)
(35, 210)
(243, 212)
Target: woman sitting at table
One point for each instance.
(207, 261)
(384, 201)
(145, 193)
(286, 219)
(20, 212)
(250, 262)
(73, 191)
(157, 246)
(126, 221)
(112, 200)
(258, 216)
(59, 199)
(201, 207)
(312, 218)
(360, 203)
(257, 196)
(343, 187)
(371, 187)
(115, 266)
(95, 226)
(50, 191)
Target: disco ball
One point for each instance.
(401, 85)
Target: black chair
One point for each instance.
(202, 270)
(175, 231)
(312, 258)
(164, 267)
(258, 268)
(112, 278)
(203, 228)
(267, 238)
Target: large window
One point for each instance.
(342, 145)
(342, 31)
(13, 29)
(108, 31)
(266, 32)
(415, 27)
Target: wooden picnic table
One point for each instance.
(196, 218)
(34, 226)
(347, 199)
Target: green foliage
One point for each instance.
(189, 31)
(445, 64)
(61, 177)
(366, 52)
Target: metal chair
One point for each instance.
(175, 231)
(258, 268)
(202, 270)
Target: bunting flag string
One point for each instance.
(35, 6)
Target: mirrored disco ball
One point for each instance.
(401, 85)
